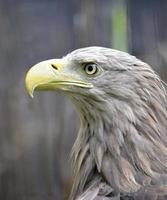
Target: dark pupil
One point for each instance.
(90, 68)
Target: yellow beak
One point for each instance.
(51, 75)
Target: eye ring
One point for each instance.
(90, 68)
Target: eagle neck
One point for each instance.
(86, 163)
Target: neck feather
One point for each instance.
(88, 150)
(124, 144)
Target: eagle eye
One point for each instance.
(90, 68)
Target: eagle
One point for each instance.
(121, 148)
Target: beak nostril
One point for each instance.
(54, 66)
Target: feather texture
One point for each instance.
(122, 141)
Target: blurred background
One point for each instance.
(36, 135)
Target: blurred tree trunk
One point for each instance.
(92, 23)
(147, 35)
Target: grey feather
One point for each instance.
(123, 134)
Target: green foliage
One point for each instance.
(119, 26)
